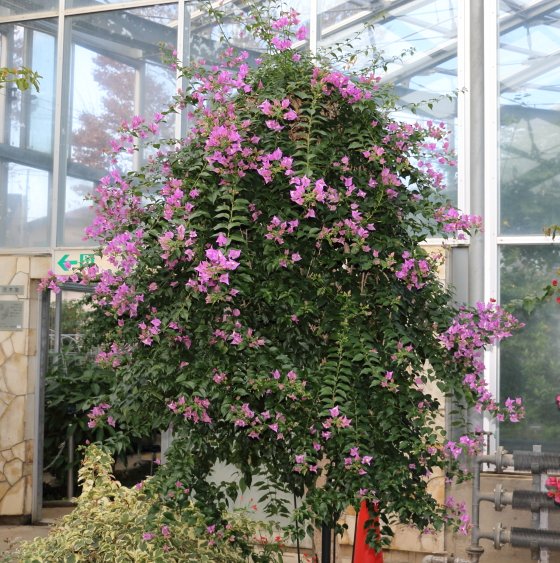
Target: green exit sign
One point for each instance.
(69, 260)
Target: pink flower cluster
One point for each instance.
(165, 532)
(218, 377)
(304, 465)
(465, 339)
(389, 383)
(290, 387)
(470, 445)
(212, 273)
(235, 338)
(287, 19)
(113, 357)
(554, 484)
(412, 271)
(277, 228)
(458, 510)
(356, 462)
(278, 110)
(97, 413)
(336, 420)
(195, 411)
(219, 534)
(327, 82)
(116, 204)
(454, 222)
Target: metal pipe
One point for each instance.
(500, 459)
(544, 554)
(535, 539)
(475, 551)
(536, 512)
(70, 484)
(297, 531)
(443, 559)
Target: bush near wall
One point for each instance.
(115, 524)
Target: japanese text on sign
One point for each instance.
(11, 290)
(11, 315)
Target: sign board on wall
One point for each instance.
(65, 260)
(11, 290)
(11, 315)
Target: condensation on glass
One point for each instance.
(420, 38)
(530, 359)
(26, 135)
(15, 7)
(115, 72)
(529, 116)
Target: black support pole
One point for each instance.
(326, 544)
(297, 531)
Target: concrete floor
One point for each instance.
(9, 533)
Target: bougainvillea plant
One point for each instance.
(270, 298)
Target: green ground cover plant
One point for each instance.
(121, 525)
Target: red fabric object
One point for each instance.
(362, 553)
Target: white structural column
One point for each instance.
(491, 186)
(183, 50)
(477, 146)
(59, 152)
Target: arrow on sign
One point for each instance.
(64, 259)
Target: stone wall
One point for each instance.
(18, 354)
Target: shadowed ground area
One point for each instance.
(50, 514)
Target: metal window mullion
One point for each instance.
(4, 135)
(16, 18)
(57, 323)
(492, 187)
(117, 6)
(3, 96)
(59, 152)
(43, 321)
(139, 99)
(313, 25)
(183, 52)
(25, 96)
(527, 239)
(463, 106)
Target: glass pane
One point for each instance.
(72, 318)
(24, 206)
(115, 73)
(13, 7)
(429, 28)
(78, 213)
(206, 36)
(26, 135)
(530, 117)
(530, 359)
(41, 104)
